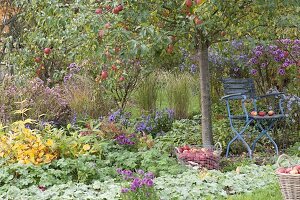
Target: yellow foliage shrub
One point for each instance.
(26, 146)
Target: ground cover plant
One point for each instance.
(101, 99)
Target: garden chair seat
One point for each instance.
(267, 117)
(244, 90)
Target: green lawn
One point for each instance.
(271, 192)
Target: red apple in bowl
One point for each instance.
(261, 113)
(271, 112)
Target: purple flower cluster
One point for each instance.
(186, 62)
(124, 140)
(120, 117)
(284, 54)
(139, 179)
(73, 69)
(145, 125)
(156, 124)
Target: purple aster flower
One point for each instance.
(140, 171)
(124, 190)
(253, 71)
(259, 48)
(149, 182)
(263, 65)
(277, 59)
(112, 118)
(286, 41)
(133, 188)
(297, 41)
(281, 55)
(253, 61)
(285, 65)
(193, 68)
(127, 173)
(119, 171)
(281, 71)
(258, 53)
(149, 175)
(181, 67)
(273, 47)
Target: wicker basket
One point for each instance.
(289, 183)
(209, 157)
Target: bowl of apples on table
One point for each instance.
(289, 178)
(199, 157)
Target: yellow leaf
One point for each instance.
(86, 147)
(49, 143)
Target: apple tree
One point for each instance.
(147, 29)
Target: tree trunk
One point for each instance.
(206, 123)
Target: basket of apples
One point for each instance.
(200, 157)
(289, 179)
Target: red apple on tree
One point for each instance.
(107, 25)
(101, 33)
(117, 49)
(170, 49)
(188, 3)
(120, 7)
(198, 2)
(114, 68)
(108, 7)
(98, 11)
(197, 20)
(104, 74)
(47, 51)
(121, 78)
(223, 33)
(37, 59)
(286, 54)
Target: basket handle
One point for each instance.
(177, 150)
(281, 157)
(218, 146)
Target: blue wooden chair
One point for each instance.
(244, 90)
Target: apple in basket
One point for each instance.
(289, 170)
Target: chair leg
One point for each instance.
(228, 146)
(248, 148)
(240, 137)
(256, 140)
(274, 143)
(265, 132)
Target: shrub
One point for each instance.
(25, 146)
(39, 99)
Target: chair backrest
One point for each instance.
(243, 86)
